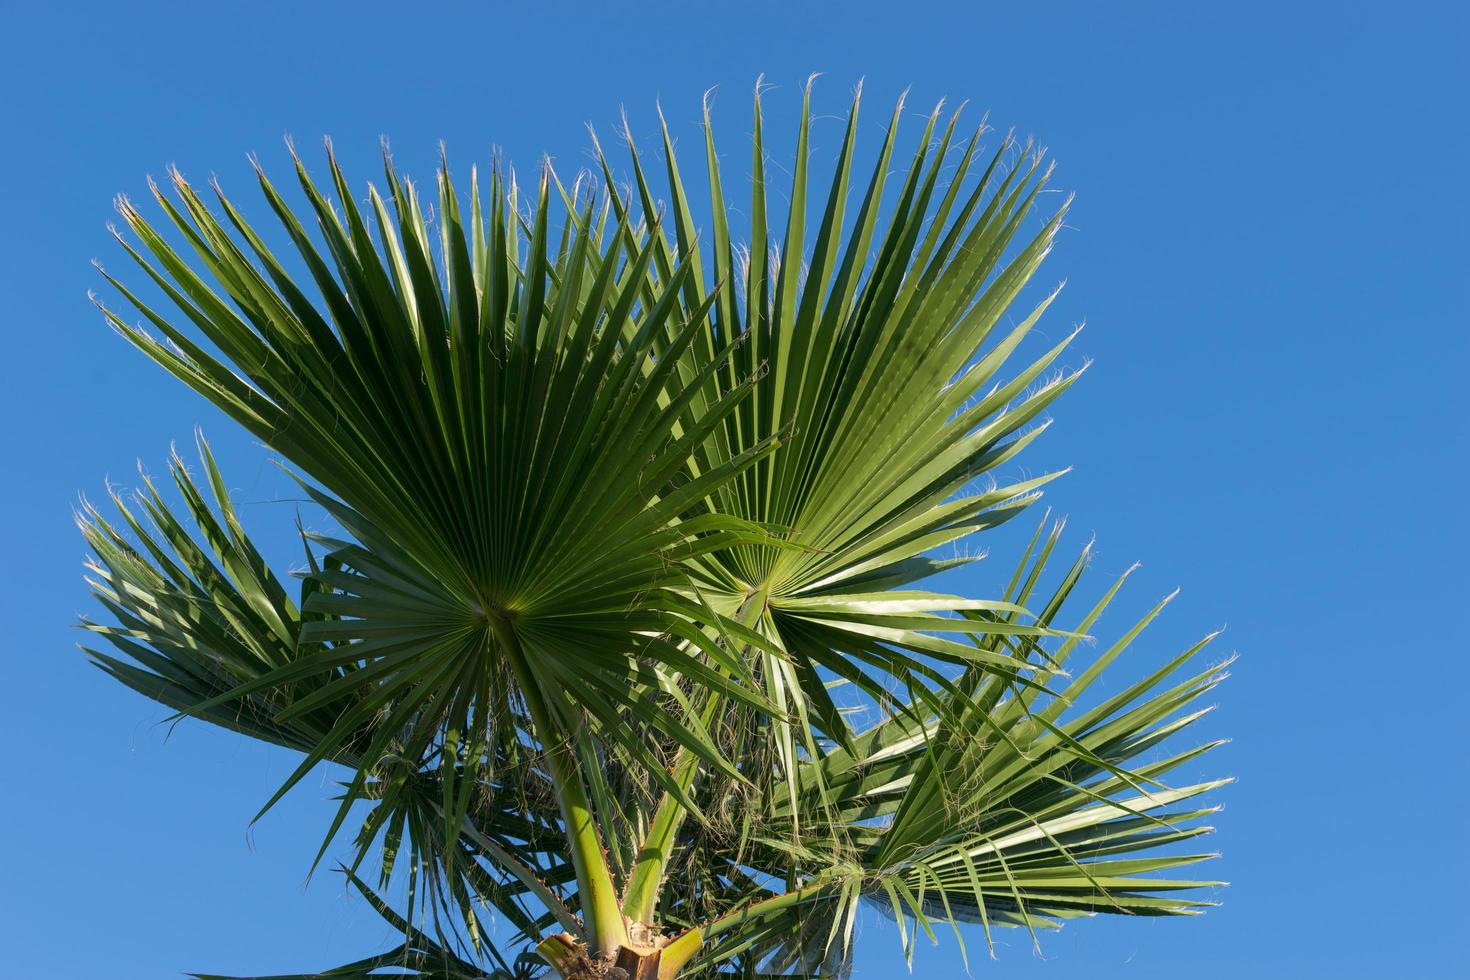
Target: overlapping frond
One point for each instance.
(1011, 808)
(197, 610)
(199, 615)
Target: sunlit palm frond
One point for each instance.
(198, 611)
(1011, 808)
(878, 327)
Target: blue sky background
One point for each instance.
(1269, 247)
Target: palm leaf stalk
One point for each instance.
(631, 527)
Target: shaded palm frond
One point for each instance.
(497, 432)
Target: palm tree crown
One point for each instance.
(632, 525)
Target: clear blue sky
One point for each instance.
(1269, 247)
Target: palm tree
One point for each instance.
(618, 641)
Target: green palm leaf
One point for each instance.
(498, 433)
(887, 374)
